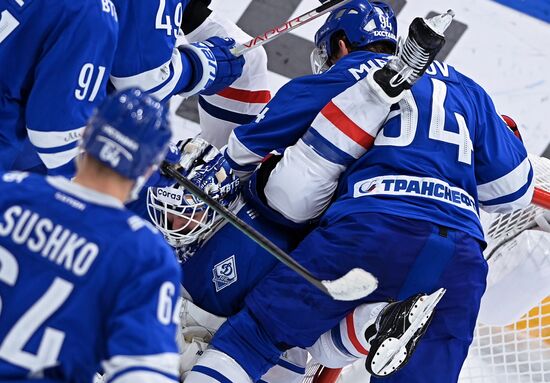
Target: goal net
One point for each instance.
(518, 254)
(512, 337)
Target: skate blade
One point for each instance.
(393, 346)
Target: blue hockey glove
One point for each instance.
(206, 167)
(214, 66)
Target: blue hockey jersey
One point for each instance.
(55, 59)
(84, 285)
(146, 54)
(292, 110)
(443, 152)
(229, 264)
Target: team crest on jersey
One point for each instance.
(225, 273)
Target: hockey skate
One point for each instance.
(423, 43)
(399, 327)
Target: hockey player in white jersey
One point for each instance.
(239, 103)
(85, 284)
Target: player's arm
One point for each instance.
(240, 103)
(147, 55)
(302, 184)
(69, 82)
(503, 172)
(142, 327)
(279, 125)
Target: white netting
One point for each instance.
(518, 352)
(500, 228)
(311, 372)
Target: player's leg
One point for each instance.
(443, 349)
(284, 310)
(386, 334)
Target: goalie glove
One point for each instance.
(214, 66)
(206, 166)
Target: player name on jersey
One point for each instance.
(52, 241)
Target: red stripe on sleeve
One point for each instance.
(347, 126)
(248, 96)
(353, 337)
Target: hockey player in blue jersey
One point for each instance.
(52, 78)
(85, 284)
(292, 110)
(221, 265)
(49, 89)
(406, 211)
(147, 55)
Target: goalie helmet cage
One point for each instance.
(515, 353)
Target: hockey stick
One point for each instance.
(287, 26)
(356, 284)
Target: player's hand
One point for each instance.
(215, 67)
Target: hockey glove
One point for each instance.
(214, 66)
(207, 168)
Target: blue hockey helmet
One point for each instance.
(363, 22)
(129, 133)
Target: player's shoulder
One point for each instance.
(20, 182)
(477, 93)
(344, 73)
(357, 64)
(94, 15)
(147, 245)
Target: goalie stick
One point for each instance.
(287, 26)
(356, 284)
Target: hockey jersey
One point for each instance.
(85, 286)
(229, 264)
(292, 110)
(245, 98)
(55, 59)
(146, 54)
(443, 152)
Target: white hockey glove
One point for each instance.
(197, 329)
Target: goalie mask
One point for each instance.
(185, 220)
(362, 22)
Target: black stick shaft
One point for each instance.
(252, 233)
